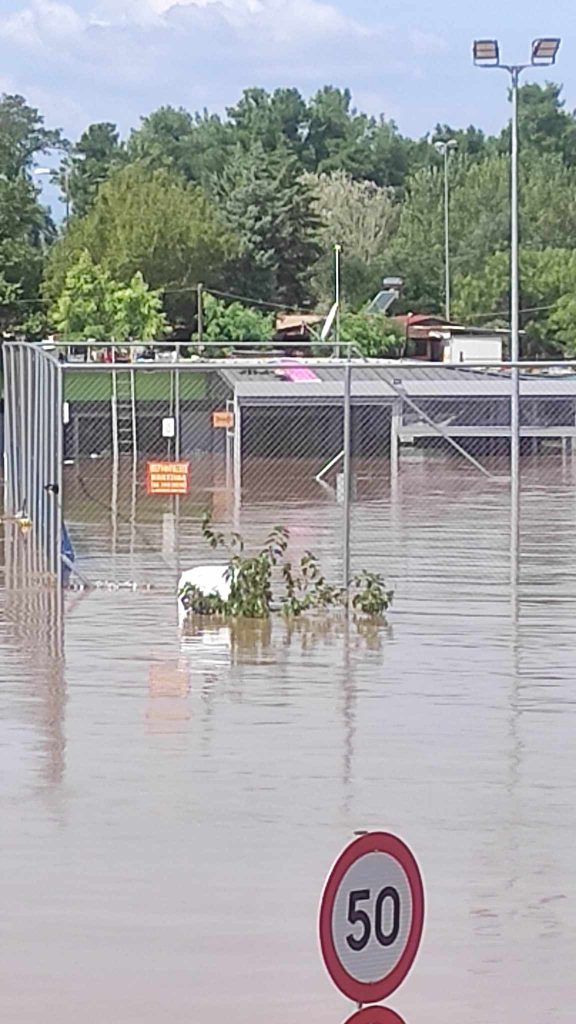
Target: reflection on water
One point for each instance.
(171, 804)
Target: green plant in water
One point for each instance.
(250, 578)
(371, 596)
(306, 588)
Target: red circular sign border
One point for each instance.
(374, 991)
(375, 1015)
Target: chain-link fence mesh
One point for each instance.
(426, 488)
(254, 451)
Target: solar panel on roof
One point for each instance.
(382, 302)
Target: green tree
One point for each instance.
(270, 209)
(479, 225)
(196, 146)
(96, 154)
(93, 305)
(273, 121)
(138, 312)
(25, 231)
(25, 225)
(85, 308)
(153, 223)
(374, 335)
(548, 282)
(341, 139)
(235, 322)
(544, 126)
(22, 136)
(363, 219)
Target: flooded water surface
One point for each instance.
(171, 805)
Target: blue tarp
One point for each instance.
(68, 553)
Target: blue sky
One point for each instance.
(90, 60)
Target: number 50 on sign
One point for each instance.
(371, 917)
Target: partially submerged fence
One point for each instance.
(401, 468)
(33, 460)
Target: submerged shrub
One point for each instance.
(304, 587)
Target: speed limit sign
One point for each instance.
(371, 917)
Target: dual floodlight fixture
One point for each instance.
(487, 52)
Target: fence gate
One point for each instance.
(33, 405)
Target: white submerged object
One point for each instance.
(209, 579)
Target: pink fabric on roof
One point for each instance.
(298, 374)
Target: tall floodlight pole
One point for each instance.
(66, 184)
(445, 148)
(487, 54)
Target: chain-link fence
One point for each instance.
(401, 468)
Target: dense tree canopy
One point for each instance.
(253, 201)
(150, 222)
(96, 154)
(26, 229)
(92, 305)
(268, 205)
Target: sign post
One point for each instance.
(371, 921)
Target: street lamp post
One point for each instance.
(66, 181)
(487, 54)
(445, 148)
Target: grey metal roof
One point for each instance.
(370, 384)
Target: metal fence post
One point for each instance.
(237, 456)
(347, 443)
(59, 475)
(177, 456)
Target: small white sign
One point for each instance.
(169, 427)
(65, 412)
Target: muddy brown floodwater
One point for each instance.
(170, 808)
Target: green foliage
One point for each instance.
(373, 334)
(235, 322)
(372, 596)
(194, 146)
(479, 222)
(93, 305)
(25, 230)
(22, 136)
(305, 588)
(341, 139)
(269, 207)
(92, 159)
(253, 201)
(148, 222)
(548, 284)
(25, 227)
(275, 120)
(544, 126)
(362, 218)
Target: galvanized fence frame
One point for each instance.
(33, 457)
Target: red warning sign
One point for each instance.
(167, 478)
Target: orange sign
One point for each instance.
(223, 420)
(167, 477)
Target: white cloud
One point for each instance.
(41, 24)
(121, 58)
